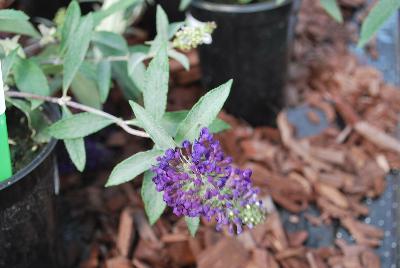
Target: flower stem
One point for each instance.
(66, 101)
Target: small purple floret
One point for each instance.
(198, 180)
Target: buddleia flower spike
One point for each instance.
(197, 179)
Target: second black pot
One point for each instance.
(27, 211)
(251, 44)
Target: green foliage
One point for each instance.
(381, 12)
(85, 86)
(156, 84)
(110, 43)
(76, 59)
(154, 204)
(75, 147)
(331, 6)
(103, 79)
(184, 4)
(8, 62)
(70, 25)
(133, 166)
(159, 135)
(13, 21)
(76, 50)
(203, 112)
(78, 126)
(30, 78)
(193, 224)
(118, 6)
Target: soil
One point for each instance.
(23, 148)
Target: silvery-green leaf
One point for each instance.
(193, 224)
(381, 12)
(75, 147)
(30, 78)
(77, 50)
(331, 6)
(179, 57)
(159, 135)
(103, 79)
(154, 204)
(203, 113)
(72, 127)
(156, 86)
(133, 166)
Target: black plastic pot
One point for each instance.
(27, 211)
(252, 45)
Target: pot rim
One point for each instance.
(236, 8)
(40, 157)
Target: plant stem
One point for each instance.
(65, 101)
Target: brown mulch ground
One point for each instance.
(334, 171)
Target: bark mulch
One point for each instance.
(321, 173)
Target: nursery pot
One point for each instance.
(251, 44)
(27, 216)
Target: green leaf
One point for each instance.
(8, 62)
(30, 78)
(179, 57)
(36, 121)
(75, 147)
(171, 121)
(381, 12)
(162, 25)
(84, 86)
(18, 26)
(114, 43)
(193, 224)
(104, 79)
(118, 6)
(137, 70)
(154, 203)
(203, 112)
(132, 167)
(70, 25)
(184, 4)
(174, 27)
(331, 6)
(159, 136)
(218, 125)
(278, 2)
(156, 87)
(162, 22)
(12, 14)
(78, 126)
(77, 50)
(129, 87)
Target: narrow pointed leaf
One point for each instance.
(331, 6)
(203, 112)
(71, 22)
(133, 166)
(154, 204)
(193, 224)
(159, 135)
(156, 86)
(78, 126)
(77, 50)
(75, 147)
(104, 79)
(30, 78)
(381, 12)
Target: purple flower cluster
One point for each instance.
(198, 180)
